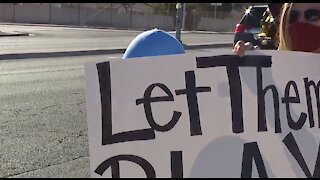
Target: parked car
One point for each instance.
(257, 26)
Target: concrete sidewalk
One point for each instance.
(191, 43)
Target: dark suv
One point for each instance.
(250, 28)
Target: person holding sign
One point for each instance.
(299, 29)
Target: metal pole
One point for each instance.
(194, 21)
(79, 14)
(184, 16)
(178, 21)
(130, 15)
(14, 12)
(215, 10)
(111, 10)
(49, 13)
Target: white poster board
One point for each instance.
(210, 114)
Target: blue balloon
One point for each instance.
(153, 42)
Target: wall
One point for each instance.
(29, 13)
(211, 24)
(64, 16)
(46, 14)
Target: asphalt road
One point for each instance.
(43, 118)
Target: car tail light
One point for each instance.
(242, 28)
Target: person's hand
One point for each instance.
(241, 47)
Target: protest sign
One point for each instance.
(210, 114)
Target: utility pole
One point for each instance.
(50, 6)
(178, 21)
(14, 12)
(184, 16)
(79, 8)
(215, 10)
(130, 6)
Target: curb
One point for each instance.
(59, 54)
(205, 46)
(3, 34)
(96, 52)
(209, 32)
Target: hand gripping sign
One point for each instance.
(208, 114)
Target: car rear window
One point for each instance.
(254, 17)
